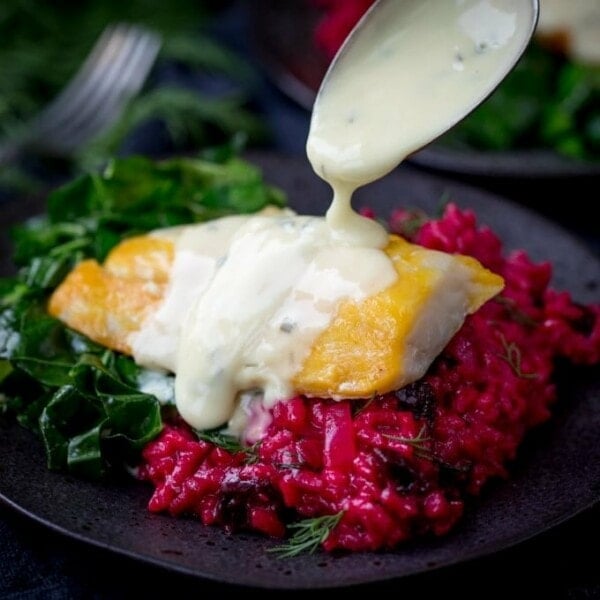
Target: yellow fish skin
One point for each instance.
(389, 340)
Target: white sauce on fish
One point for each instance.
(247, 298)
(264, 287)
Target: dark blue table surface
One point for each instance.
(37, 563)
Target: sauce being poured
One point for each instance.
(415, 70)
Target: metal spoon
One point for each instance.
(408, 72)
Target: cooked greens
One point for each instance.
(546, 101)
(83, 399)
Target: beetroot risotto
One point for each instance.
(377, 472)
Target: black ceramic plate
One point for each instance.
(556, 475)
(283, 38)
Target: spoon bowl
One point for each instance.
(408, 72)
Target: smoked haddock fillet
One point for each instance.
(379, 344)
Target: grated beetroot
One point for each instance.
(402, 464)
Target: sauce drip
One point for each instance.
(415, 70)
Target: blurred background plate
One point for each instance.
(283, 36)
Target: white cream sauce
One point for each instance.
(249, 296)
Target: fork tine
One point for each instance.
(110, 90)
(56, 106)
(83, 108)
(69, 105)
(127, 82)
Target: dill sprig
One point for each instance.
(308, 535)
(513, 357)
(417, 217)
(361, 407)
(230, 443)
(290, 465)
(420, 443)
(515, 313)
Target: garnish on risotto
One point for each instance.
(356, 419)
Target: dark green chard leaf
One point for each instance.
(134, 417)
(11, 291)
(47, 272)
(84, 453)
(66, 416)
(128, 371)
(51, 373)
(40, 238)
(130, 414)
(28, 412)
(42, 350)
(84, 400)
(89, 215)
(9, 336)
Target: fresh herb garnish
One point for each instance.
(514, 312)
(442, 204)
(82, 399)
(420, 443)
(410, 223)
(512, 355)
(308, 535)
(359, 407)
(291, 465)
(230, 443)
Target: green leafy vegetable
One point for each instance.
(89, 215)
(420, 443)
(82, 399)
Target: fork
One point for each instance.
(94, 98)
